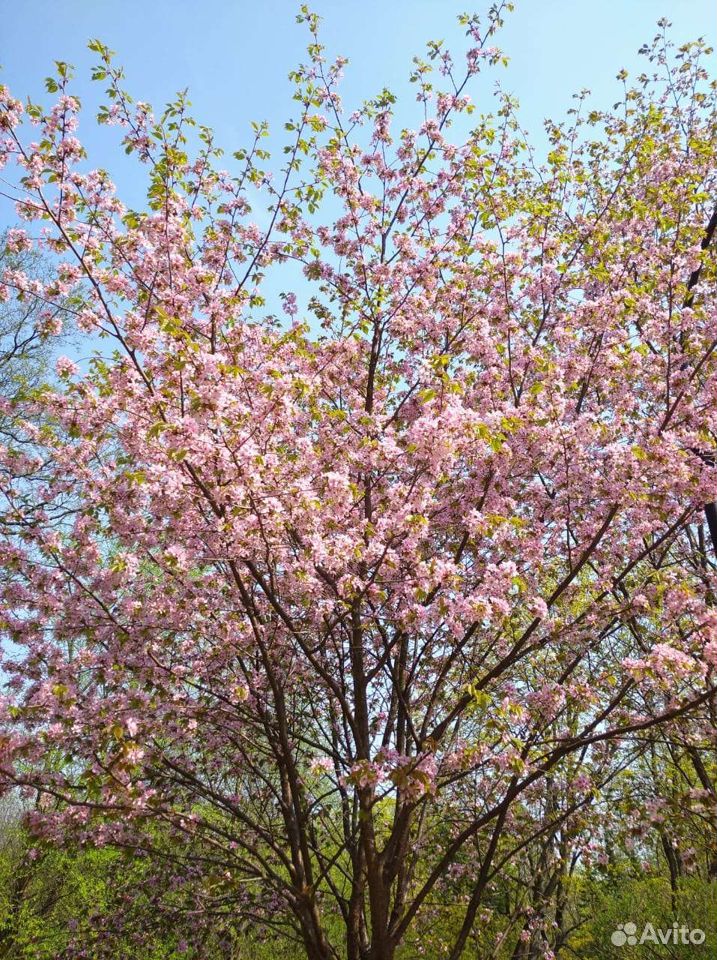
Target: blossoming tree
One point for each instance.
(333, 614)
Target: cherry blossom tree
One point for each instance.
(335, 605)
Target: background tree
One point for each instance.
(29, 329)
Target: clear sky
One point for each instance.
(234, 55)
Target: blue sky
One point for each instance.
(234, 55)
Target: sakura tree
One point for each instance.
(331, 606)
